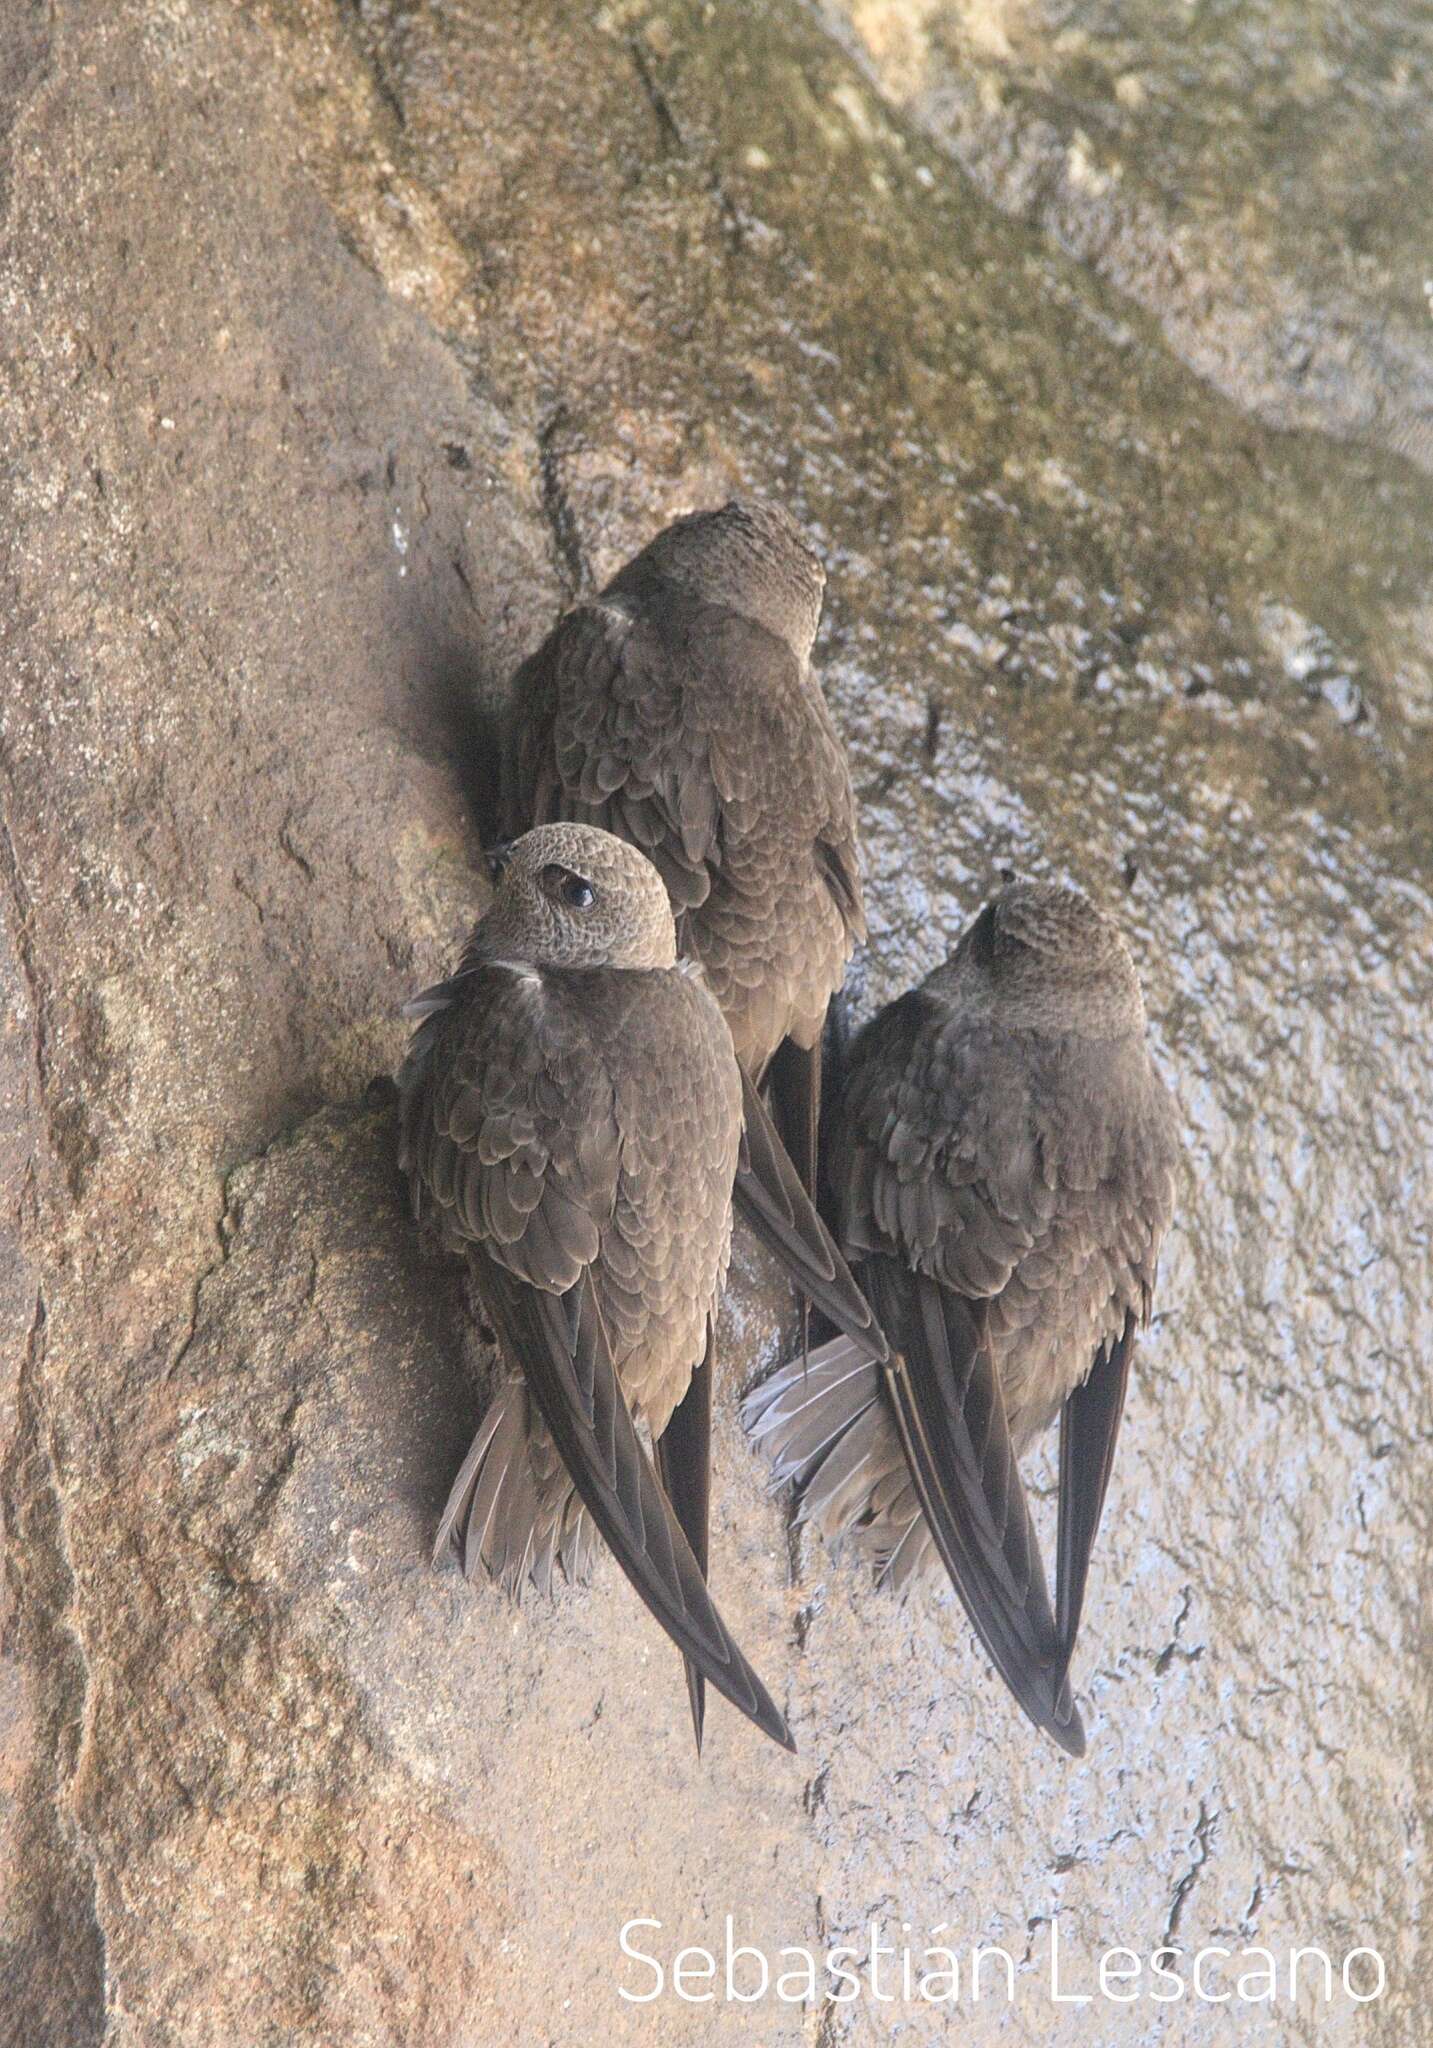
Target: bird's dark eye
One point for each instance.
(574, 890)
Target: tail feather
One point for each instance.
(454, 1518)
(512, 1507)
(911, 1556)
(808, 1404)
(826, 1427)
(838, 1496)
(498, 1531)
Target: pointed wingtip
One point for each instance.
(697, 1700)
(764, 1714)
(769, 1718)
(444, 1545)
(1049, 1703)
(1064, 1698)
(1069, 1734)
(770, 1195)
(781, 1734)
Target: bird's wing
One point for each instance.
(838, 855)
(961, 1169)
(792, 1084)
(937, 1160)
(953, 1426)
(602, 733)
(624, 718)
(770, 1195)
(938, 1234)
(684, 1463)
(1139, 1210)
(563, 1349)
(509, 1124)
(1089, 1427)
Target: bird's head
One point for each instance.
(750, 555)
(1047, 960)
(574, 896)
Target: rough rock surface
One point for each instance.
(340, 344)
(1252, 175)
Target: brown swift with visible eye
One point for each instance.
(573, 1112)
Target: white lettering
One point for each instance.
(641, 1997)
(1057, 1996)
(1364, 1997)
(681, 1969)
(949, 1969)
(1266, 1974)
(806, 1995)
(1161, 1969)
(977, 1957)
(735, 1997)
(1209, 1997)
(839, 1969)
(1296, 1956)
(877, 1951)
(1110, 1975)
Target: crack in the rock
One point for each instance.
(364, 46)
(250, 897)
(226, 1223)
(378, 71)
(66, 1134)
(48, 1612)
(286, 846)
(223, 1227)
(27, 93)
(1202, 1843)
(795, 1534)
(826, 2035)
(22, 917)
(1173, 1647)
(666, 120)
(734, 222)
(557, 507)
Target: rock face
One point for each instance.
(1225, 166)
(341, 345)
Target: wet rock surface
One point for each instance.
(342, 345)
(1250, 174)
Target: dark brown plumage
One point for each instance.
(573, 1112)
(1003, 1159)
(679, 710)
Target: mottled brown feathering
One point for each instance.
(594, 1209)
(1003, 1160)
(573, 1113)
(679, 710)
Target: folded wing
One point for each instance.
(509, 1125)
(770, 1194)
(951, 1416)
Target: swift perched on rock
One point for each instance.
(573, 1112)
(1003, 1161)
(679, 710)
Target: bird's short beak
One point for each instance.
(497, 856)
